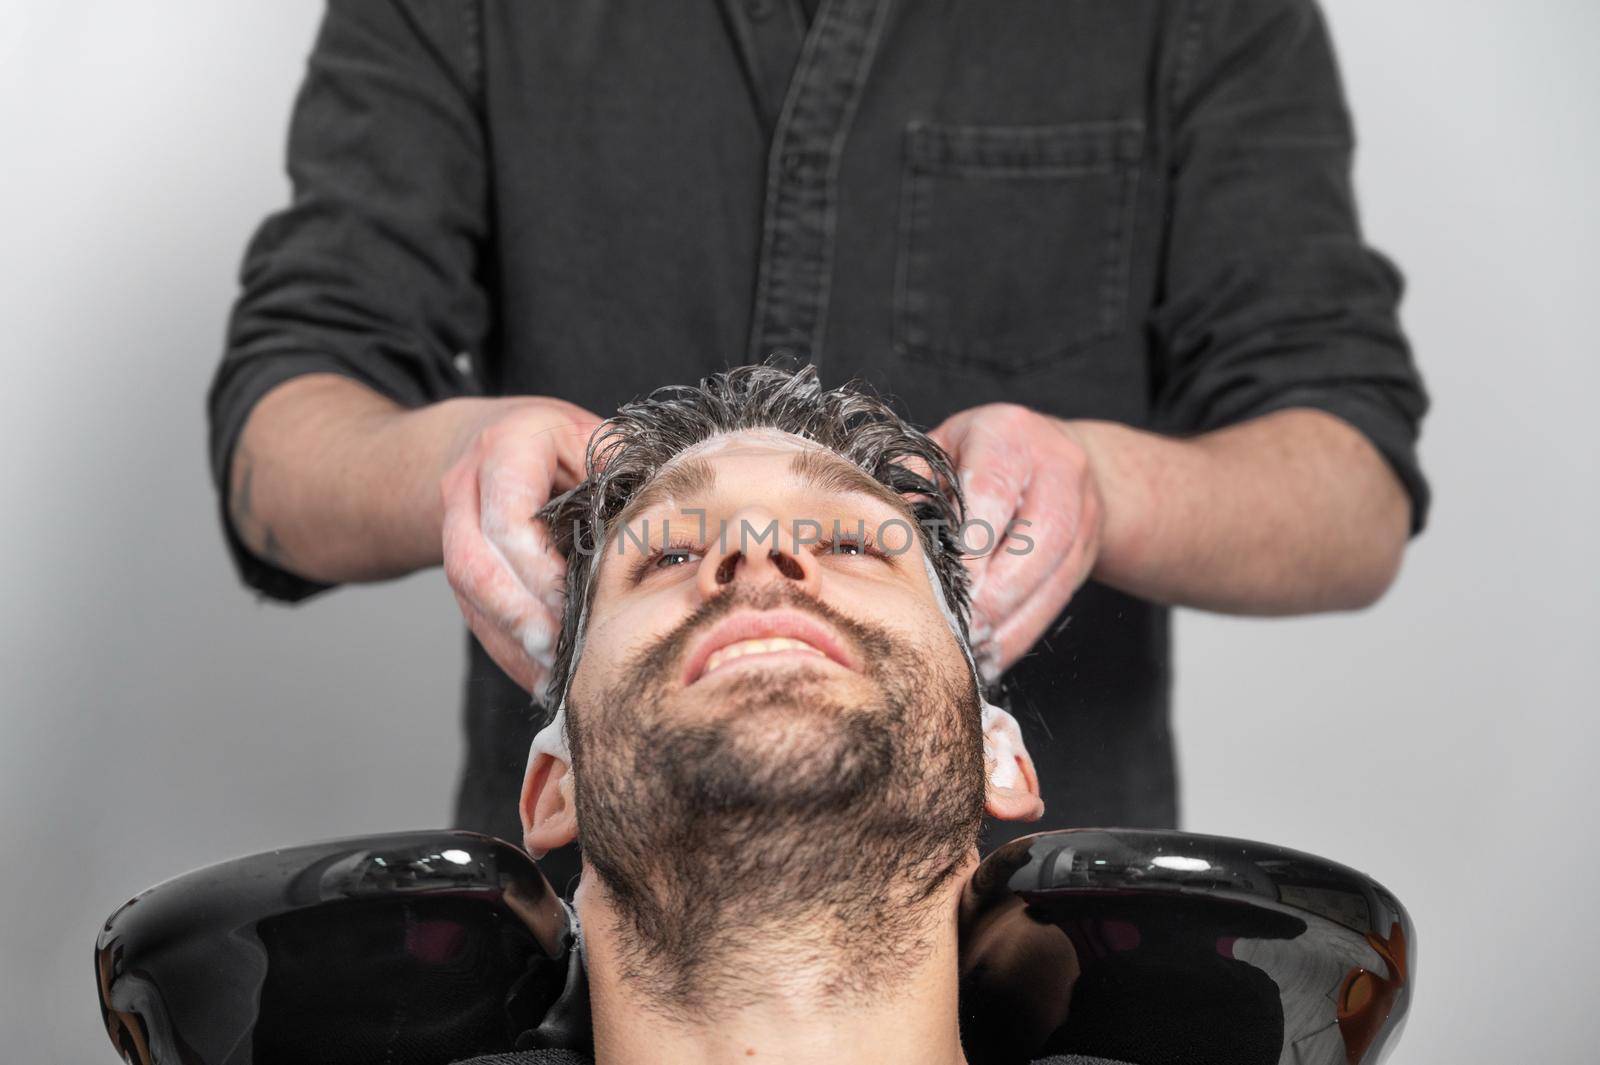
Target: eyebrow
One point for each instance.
(689, 478)
(818, 469)
(825, 471)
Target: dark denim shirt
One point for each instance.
(1137, 210)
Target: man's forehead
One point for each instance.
(760, 437)
(692, 473)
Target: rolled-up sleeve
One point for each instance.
(373, 270)
(1271, 299)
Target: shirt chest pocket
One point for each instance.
(1013, 242)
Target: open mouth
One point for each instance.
(764, 637)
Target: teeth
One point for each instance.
(756, 647)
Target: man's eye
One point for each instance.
(663, 558)
(848, 545)
(674, 556)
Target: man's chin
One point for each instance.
(783, 726)
(797, 689)
(778, 741)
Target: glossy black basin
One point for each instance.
(1171, 948)
(1151, 948)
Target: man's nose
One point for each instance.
(755, 546)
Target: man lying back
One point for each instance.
(770, 740)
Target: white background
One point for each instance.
(154, 717)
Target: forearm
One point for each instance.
(334, 482)
(1293, 512)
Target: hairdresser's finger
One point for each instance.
(506, 652)
(1049, 519)
(917, 465)
(568, 434)
(528, 459)
(515, 482)
(989, 487)
(1035, 615)
(480, 575)
(993, 470)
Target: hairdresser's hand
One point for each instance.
(1034, 519)
(510, 457)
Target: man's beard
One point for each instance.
(780, 820)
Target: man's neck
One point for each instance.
(794, 1012)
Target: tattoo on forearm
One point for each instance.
(255, 532)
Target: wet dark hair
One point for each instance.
(630, 449)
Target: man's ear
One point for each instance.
(1013, 785)
(549, 818)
